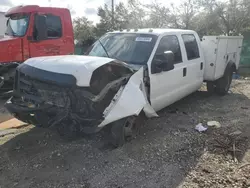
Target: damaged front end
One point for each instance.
(48, 99)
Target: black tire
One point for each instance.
(68, 130)
(121, 130)
(210, 87)
(224, 83)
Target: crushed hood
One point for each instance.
(81, 67)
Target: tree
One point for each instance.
(84, 30)
(182, 16)
(125, 17)
(137, 13)
(207, 17)
(159, 16)
(121, 19)
(234, 15)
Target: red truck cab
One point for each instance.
(34, 31)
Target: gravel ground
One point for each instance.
(167, 151)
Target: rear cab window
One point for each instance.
(191, 46)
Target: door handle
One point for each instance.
(185, 72)
(201, 66)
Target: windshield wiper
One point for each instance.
(103, 48)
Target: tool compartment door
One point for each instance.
(209, 46)
(221, 58)
(229, 48)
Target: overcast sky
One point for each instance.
(86, 8)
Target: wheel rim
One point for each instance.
(128, 128)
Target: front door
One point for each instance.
(166, 87)
(54, 43)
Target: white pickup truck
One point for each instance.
(137, 71)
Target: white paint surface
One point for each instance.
(81, 67)
(3, 20)
(216, 49)
(168, 87)
(130, 102)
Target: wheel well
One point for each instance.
(233, 67)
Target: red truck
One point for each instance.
(34, 31)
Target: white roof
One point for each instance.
(154, 31)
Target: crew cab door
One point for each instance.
(166, 87)
(194, 62)
(53, 43)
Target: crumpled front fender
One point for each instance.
(130, 100)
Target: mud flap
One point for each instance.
(130, 100)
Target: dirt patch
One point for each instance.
(167, 152)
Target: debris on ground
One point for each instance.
(235, 134)
(200, 128)
(215, 124)
(12, 123)
(6, 132)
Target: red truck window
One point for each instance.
(54, 26)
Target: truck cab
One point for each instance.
(146, 48)
(34, 31)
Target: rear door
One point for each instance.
(54, 44)
(167, 87)
(194, 62)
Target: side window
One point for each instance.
(54, 26)
(170, 43)
(191, 46)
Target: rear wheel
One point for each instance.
(224, 83)
(210, 87)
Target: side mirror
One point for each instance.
(41, 31)
(168, 60)
(163, 62)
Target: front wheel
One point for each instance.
(224, 83)
(121, 130)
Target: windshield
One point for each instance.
(17, 25)
(131, 48)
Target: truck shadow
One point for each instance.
(162, 154)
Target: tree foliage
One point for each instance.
(83, 30)
(228, 17)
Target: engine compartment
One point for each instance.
(65, 105)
